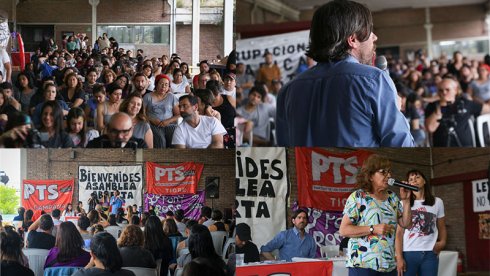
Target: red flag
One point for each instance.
(177, 179)
(325, 179)
(46, 195)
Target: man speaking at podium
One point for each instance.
(343, 100)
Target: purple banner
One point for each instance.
(191, 204)
(323, 226)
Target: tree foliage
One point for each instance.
(9, 201)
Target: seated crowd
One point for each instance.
(68, 98)
(435, 96)
(102, 242)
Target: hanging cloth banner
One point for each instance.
(190, 204)
(177, 179)
(325, 179)
(46, 195)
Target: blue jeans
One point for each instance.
(423, 263)
(357, 271)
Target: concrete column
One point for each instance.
(196, 19)
(173, 26)
(14, 14)
(94, 4)
(428, 31)
(228, 27)
(487, 20)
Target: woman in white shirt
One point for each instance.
(179, 85)
(418, 247)
(68, 212)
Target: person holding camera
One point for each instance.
(93, 201)
(448, 120)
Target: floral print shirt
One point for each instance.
(375, 252)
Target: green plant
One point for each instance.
(9, 201)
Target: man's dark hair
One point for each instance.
(206, 211)
(169, 214)
(299, 211)
(112, 220)
(190, 223)
(56, 213)
(331, 26)
(135, 220)
(83, 223)
(217, 215)
(215, 86)
(104, 247)
(192, 99)
(6, 85)
(179, 215)
(258, 89)
(46, 222)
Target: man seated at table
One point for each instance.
(244, 244)
(294, 242)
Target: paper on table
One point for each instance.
(300, 259)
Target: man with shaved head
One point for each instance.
(119, 134)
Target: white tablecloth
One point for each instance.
(448, 261)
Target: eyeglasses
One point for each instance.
(120, 131)
(384, 171)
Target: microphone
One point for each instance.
(381, 63)
(394, 182)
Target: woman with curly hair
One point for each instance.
(73, 93)
(68, 250)
(371, 215)
(130, 245)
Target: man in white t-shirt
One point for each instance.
(197, 131)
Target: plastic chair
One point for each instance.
(329, 251)
(219, 240)
(230, 243)
(471, 123)
(481, 121)
(159, 265)
(114, 231)
(61, 270)
(142, 271)
(37, 258)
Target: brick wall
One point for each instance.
(58, 164)
(210, 42)
(119, 12)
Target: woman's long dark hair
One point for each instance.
(57, 115)
(104, 247)
(429, 199)
(155, 239)
(69, 242)
(201, 242)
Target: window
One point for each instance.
(138, 34)
(466, 47)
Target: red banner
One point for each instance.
(293, 269)
(46, 195)
(177, 179)
(325, 179)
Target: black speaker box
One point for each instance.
(212, 187)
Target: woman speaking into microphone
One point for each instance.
(370, 217)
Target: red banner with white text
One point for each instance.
(46, 195)
(177, 179)
(325, 179)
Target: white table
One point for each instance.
(448, 261)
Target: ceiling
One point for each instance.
(379, 5)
